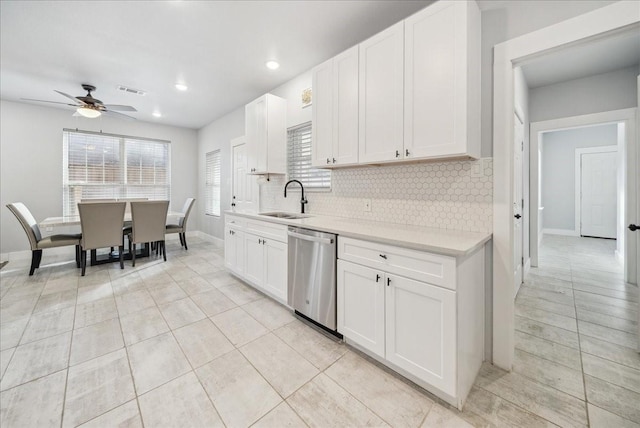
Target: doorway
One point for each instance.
(596, 188)
(244, 187)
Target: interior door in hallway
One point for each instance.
(518, 147)
(244, 187)
(598, 188)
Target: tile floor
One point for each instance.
(183, 343)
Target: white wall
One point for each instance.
(558, 170)
(31, 161)
(593, 94)
(504, 20)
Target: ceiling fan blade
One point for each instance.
(119, 107)
(69, 96)
(120, 115)
(52, 102)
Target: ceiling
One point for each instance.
(616, 51)
(217, 48)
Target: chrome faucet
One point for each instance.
(302, 200)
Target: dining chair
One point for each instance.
(36, 241)
(181, 227)
(148, 220)
(101, 225)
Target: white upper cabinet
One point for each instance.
(335, 111)
(381, 96)
(442, 81)
(266, 134)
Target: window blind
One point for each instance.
(299, 159)
(104, 166)
(212, 185)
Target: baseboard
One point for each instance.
(70, 251)
(565, 232)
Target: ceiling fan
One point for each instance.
(91, 107)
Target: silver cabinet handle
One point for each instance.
(310, 238)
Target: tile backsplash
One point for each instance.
(448, 195)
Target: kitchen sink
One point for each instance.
(289, 216)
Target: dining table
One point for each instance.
(50, 223)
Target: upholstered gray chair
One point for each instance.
(148, 225)
(101, 225)
(181, 227)
(36, 241)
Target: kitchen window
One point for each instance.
(299, 160)
(212, 185)
(108, 166)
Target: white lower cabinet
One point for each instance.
(430, 333)
(361, 306)
(421, 330)
(258, 259)
(266, 265)
(234, 249)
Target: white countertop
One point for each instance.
(443, 241)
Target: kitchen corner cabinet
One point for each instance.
(335, 111)
(442, 81)
(422, 314)
(256, 252)
(266, 135)
(380, 93)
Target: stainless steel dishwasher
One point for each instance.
(312, 276)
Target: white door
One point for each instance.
(518, 146)
(345, 107)
(381, 96)
(253, 259)
(637, 223)
(244, 187)
(421, 331)
(322, 115)
(598, 195)
(433, 86)
(275, 265)
(361, 306)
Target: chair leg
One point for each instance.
(36, 256)
(133, 255)
(77, 256)
(83, 260)
(164, 250)
(181, 240)
(121, 257)
(184, 239)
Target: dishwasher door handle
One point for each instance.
(310, 238)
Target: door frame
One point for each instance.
(578, 183)
(519, 118)
(580, 29)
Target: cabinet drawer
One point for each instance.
(421, 266)
(234, 221)
(267, 229)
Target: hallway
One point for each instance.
(576, 324)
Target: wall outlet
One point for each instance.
(477, 168)
(367, 205)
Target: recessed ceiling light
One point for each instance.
(272, 65)
(181, 87)
(156, 114)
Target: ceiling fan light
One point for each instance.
(88, 112)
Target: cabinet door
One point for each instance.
(435, 81)
(322, 117)
(381, 96)
(253, 259)
(234, 250)
(275, 269)
(361, 306)
(345, 107)
(421, 331)
(256, 134)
